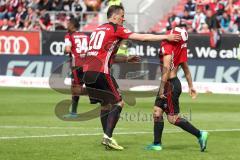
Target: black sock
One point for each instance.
(75, 100)
(158, 129)
(112, 120)
(185, 125)
(104, 117)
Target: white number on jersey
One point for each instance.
(183, 33)
(96, 40)
(81, 45)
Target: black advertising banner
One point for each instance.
(203, 70)
(53, 43)
(30, 66)
(198, 46)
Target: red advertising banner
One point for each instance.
(20, 43)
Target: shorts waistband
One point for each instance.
(173, 79)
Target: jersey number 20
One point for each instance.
(96, 40)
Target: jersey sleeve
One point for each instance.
(67, 40)
(167, 48)
(123, 32)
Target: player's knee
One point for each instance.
(106, 107)
(157, 115)
(121, 103)
(172, 119)
(76, 90)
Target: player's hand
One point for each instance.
(133, 59)
(161, 95)
(193, 93)
(174, 37)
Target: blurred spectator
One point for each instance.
(31, 14)
(225, 23)
(67, 5)
(93, 5)
(11, 6)
(235, 23)
(3, 10)
(12, 23)
(212, 20)
(61, 22)
(45, 22)
(45, 5)
(204, 29)
(5, 25)
(187, 19)
(200, 4)
(78, 5)
(198, 20)
(172, 18)
(57, 5)
(33, 4)
(190, 7)
(20, 16)
(27, 26)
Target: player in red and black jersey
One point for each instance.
(76, 46)
(173, 55)
(103, 45)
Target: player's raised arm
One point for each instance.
(153, 37)
(192, 91)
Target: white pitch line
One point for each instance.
(43, 127)
(119, 133)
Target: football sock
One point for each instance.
(158, 129)
(185, 125)
(112, 120)
(104, 117)
(75, 100)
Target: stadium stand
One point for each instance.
(44, 14)
(200, 16)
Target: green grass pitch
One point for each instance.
(29, 129)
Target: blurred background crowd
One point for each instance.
(34, 14)
(202, 16)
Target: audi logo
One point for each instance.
(57, 48)
(14, 45)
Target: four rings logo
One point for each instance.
(57, 48)
(14, 45)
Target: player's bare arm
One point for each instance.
(153, 37)
(165, 74)
(192, 91)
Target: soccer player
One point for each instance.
(76, 46)
(173, 55)
(103, 45)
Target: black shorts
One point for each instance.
(77, 76)
(172, 91)
(102, 88)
